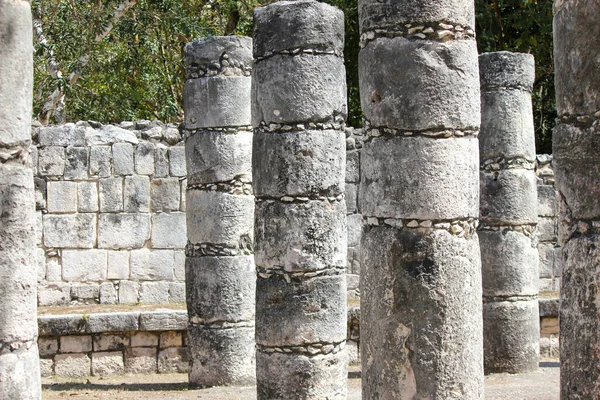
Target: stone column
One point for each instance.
(298, 113)
(508, 212)
(421, 322)
(576, 151)
(19, 361)
(220, 274)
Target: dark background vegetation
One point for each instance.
(115, 60)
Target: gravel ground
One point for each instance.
(539, 385)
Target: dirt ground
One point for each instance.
(539, 385)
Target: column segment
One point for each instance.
(220, 275)
(421, 322)
(299, 108)
(576, 161)
(509, 256)
(19, 361)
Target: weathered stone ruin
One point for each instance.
(220, 273)
(576, 144)
(421, 322)
(508, 207)
(19, 362)
(298, 157)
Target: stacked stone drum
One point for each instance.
(421, 312)
(220, 275)
(298, 113)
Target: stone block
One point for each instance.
(221, 288)
(298, 89)
(122, 154)
(33, 159)
(72, 365)
(172, 320)
(40, 193)
(207, 50)
(444, 93)
(62, 197)
(76, 166)
(108, 293)
(218, 156)
(140, 360)
(353, 264)
(51, 161)
(161, 161)
(353, 352)
(176, 292)
(507, 129)
(62, 135)
(355, 226)
(84, 265)
(183, 190)
(137, 194)
(351, 198)
(546, 256)
(61, 325)
(353, 166)
(101, 161)
(509, 263)
(107, 363)
(220, 218)
(110, 342)
(48, 346)
(112, 322)
(352, 281)
(170, 339)
(301, 312)
(46, 367)
(305, 163)
(85, 292)
(547, 201)
(54, 294)
(144, 158)
(517, 349)
(154, 292)
(144, 339)
(87, 194)
(40, 258)
(118, 265)
(399, 189)
(109, 134)
(173, 360)
(75, 344)
(301, 236)
(53, 269)
(151, 265)
(502, 69)
(164, 194)
(549, 326)
(221, 356)
(217, 102)
(323, 376)
(39, 223)
(546, 285)
(509, 197)
(179, 265)
(129, 292)
(111, 194)
(177, 161)
(122, 231)
(169, 231)
(547, 229)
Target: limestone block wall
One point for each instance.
(354, 142)
(111, 211)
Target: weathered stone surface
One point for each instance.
(221, 356)
(51, 161)
(112, 322)
(136, 194)
(517, 348)
(164, 194)
(144, 158)
(179, 265)
(547, 201)
(77, 163)
(546, 256)
(173, 360)
(306, 163)
(111, 194)
(298, 376)
(85, 292)
(46, 367)
(374, 14)
(177, 161)
(353, 166)
(504, 70)
(154, 292)
(72, 365)
(219, 218)
(412, 188)
(509, 197)
(161, 161)
(110, 342)
(151, 264)
(48, 346)
(118, 265)
(20, 371)
(87, 195)
(546, 229)
(58, 325)
(107, 363)
(509, 263)
(176, 292)
(61, 135)
(351, 197)
(211, 49)
(301, 236)
(62, 197)
(297, 89)
(416, 280)
(123, 158)
(303, 312)
(218, 156)
(84, 265)
(140, 360)
(120, 231)
(108, 293)
(175, 320)
(109, 134)
(217, 102)
(291, 25)
(70, 230)
(100, 161)
(169, 231)
(76, 344)
(171, 339)
(144, 339)
(129, 292)
(418, 85)
(54, 294)
(220, 288)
